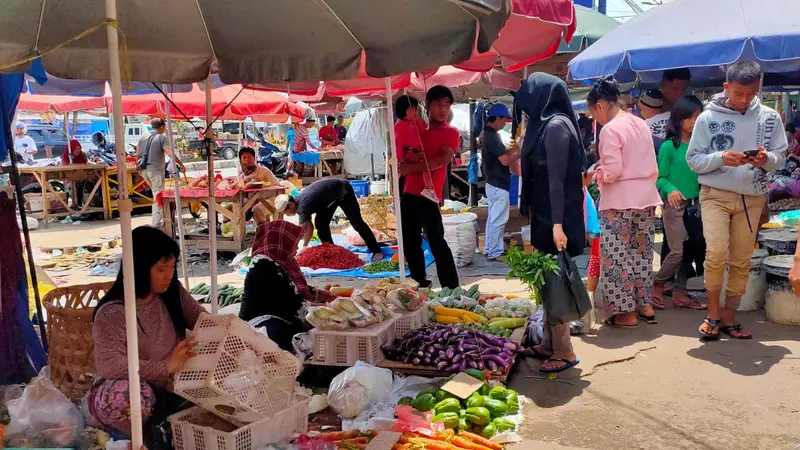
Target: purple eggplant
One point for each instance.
(499, 360)
(491, 365)
(458, 357)
(455, 367)
(442, 365)
(415, 361)
(450, 353)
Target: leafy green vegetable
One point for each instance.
(382, 266)
(530, 268)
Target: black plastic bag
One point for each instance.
(564, 296)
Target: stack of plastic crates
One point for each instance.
(411, 320)
(243, 377)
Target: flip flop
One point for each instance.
(714, 324)
(735, 328)
(650, 320)
(612, 322)
(568, 364)
(693, 304)
(537, 354)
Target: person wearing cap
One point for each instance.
(24, 145)
(321, 199)
(651, 105)
(153, 149)
(496, 162)
(300, 142)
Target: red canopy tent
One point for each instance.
(260, 105)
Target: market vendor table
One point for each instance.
(243, 201)
(328, 159)
(73, 173)
(137, 187)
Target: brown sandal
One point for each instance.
(736, 331)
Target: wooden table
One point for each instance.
(135, 184)
(325, 169)
(243, 201)
(73, 173)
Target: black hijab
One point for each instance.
(542, 97)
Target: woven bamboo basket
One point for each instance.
(375, 211)
(69, 332)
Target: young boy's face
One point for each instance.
(741, 95)
(411, 113)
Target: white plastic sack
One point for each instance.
(365, 146)
(32, 222)
(354, 389)
(461, 234)
(44, 410)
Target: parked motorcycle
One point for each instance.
(272, 158)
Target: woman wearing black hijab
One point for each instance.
(553, 161)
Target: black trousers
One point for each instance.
(420, 215)
(352, 210)
(694, 247)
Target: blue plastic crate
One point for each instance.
(361, 187)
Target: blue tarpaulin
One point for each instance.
(359, 272)
(702, 35)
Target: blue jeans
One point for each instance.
(496, 220)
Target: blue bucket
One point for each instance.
(513, 191)
(361, 187)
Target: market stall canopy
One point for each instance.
(265, 106)
(532, 33)
(702, 35)
(176, 41)
(466, 84)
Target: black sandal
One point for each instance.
(714, 324)
(650, 320)
(735, 328)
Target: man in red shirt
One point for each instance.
(419, 213)
(328, 135)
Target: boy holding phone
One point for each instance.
(736, 142)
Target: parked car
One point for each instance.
(51, 141)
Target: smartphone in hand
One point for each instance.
(751, 153)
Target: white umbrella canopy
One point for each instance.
(253, 41)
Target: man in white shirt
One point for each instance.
(24, 144)
(650, 104)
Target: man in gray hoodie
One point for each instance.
(736, 141)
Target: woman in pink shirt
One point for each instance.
(626, 175)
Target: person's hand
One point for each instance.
(675, 198)
(734, 159)
(402, 168)
(760, 159)
(182, 352)
(300, 249)
(559, 238)
(794, 276)
(325, 296)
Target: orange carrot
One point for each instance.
(429, 444)
(466, 444)
(358, 440)
(480, 440)
(339, 435)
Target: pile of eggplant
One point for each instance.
(453, 349)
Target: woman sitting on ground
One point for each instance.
(164, 312)
(275, 288)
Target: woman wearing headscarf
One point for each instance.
(553, 161)
(275, 287)
(626, 175)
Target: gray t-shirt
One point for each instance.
(155, 144)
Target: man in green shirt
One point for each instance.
(679, 188)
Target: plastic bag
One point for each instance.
(409, 420)
(302, 345)
(326, 318)
(590, 215)
(354, 389)
(357, 315)
(44, 412)
(407, 299)
(534, 333)
(564, 296)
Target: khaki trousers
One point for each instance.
(730, 224)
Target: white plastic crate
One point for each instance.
(344, 348)
(411, 320)
(237, 373)
(192, 429)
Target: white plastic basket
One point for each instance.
(344, 348)
(192, 429)
(411, 320)
(237, 373)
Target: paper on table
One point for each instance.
(462, 385)
(385, 440)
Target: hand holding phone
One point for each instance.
(751, 153)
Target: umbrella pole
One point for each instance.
(125, 208)
(178, 207)
(212, 203)
(395, 181)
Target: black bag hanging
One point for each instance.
(564, 296)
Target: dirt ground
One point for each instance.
(655, 387)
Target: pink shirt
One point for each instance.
(627, 172)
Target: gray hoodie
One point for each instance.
(720, 129)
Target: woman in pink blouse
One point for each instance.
(626, 175)
(164, 311)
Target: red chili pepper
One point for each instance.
(329, 256)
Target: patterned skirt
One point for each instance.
(626, 258)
